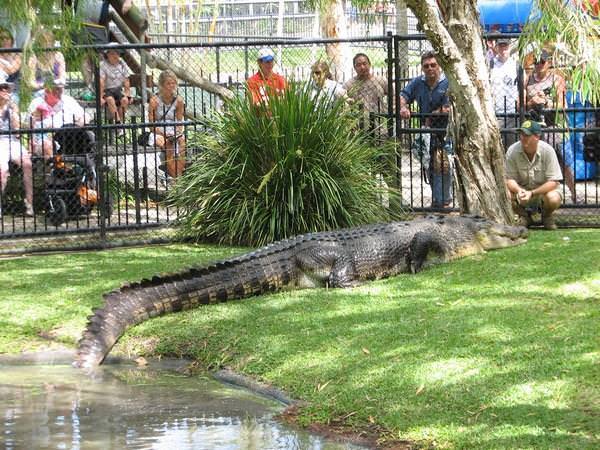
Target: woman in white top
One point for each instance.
(323, 84)
(165, 108)
(10, 63)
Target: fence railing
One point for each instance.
(106, 179)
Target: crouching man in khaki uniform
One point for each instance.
(533, 176)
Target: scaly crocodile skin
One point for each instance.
(340, 258)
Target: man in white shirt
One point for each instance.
(504, 72)
(52, 110)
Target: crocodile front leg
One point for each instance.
(326, 265)
(343, 273)
(422, 246)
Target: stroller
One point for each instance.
(70, 182)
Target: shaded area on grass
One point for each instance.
(493, 351)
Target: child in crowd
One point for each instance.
(47, 65)
(115, 90)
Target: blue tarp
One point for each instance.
(572, 148)
(504, 16)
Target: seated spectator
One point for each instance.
(47, 65)
(53, 109)
(10, 145)
(164, 108)
(533, 176)
(115, 90)
(10, 63)
(265, 82)
(323, 83)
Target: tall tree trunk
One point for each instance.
(454, 31)
(333, 26)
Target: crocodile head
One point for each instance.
(469, 235)
(483, 233)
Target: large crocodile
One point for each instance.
(340, 258)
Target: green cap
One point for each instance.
(530, 127)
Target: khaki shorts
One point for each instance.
(535, 202)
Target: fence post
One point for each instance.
(396, 102)
(246, 73)
(218, 63)
(391, 63)
(102, 172)
(136, 172)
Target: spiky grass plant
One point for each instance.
(270, 171)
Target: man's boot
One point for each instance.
(548, 221)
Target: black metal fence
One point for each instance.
(99, 177)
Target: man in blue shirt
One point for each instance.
(430, 92)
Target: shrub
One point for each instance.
(267, 172)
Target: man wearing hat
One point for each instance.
(265, 82)
(533, 176)
(504, 72)
(53, 109)
(10, 145)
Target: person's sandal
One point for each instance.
(28, 210)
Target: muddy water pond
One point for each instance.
(126, 407)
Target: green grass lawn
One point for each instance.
(495, 351)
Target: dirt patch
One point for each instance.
(372, 436)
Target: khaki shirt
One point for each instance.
(532, 174)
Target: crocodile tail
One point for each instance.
(252, 274)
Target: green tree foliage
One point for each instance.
(272, 171)
(574, 34)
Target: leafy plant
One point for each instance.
(295, 164)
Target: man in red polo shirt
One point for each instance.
(265, 82)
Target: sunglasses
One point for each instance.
(430, 66)
(317, 72)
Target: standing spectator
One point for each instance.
(533, 176)
(545, 91)
(48, 65)
(265, 82)
(430, 91)
(323, 84)
(10, 63)
(52, 109)
(368, 91)
(115, 90)
(10, 145)
(504, 76)
(164, 108)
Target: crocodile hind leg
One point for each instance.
(422, 246)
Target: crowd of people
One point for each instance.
(51, 107)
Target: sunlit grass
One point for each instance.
(495, 351)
